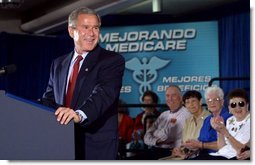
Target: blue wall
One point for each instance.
(33, 54)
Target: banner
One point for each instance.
(183, 54)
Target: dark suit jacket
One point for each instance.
(96, 93)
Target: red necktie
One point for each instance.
(72, 81)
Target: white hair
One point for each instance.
(216, 90)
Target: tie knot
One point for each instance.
(79, 58)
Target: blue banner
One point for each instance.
(184, 54)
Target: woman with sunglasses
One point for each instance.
(236, 133)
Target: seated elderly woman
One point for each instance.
(236, 133)
(207, 139)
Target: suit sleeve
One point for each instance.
(102, 101)
(48, 98)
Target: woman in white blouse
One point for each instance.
(236, 133)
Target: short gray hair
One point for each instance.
(72, 19)
(214, 89)
(175, 86)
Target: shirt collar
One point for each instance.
(176, 110)
(76, 54)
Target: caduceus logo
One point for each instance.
(145, 71)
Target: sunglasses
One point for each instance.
(240, 104)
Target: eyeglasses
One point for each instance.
(213, 100)
(240, 104)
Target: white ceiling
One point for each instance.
(39, 16)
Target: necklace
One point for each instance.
(237, 125)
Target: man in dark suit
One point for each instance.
(92, 102)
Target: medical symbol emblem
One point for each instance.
(145, 71)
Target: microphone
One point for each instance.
(7, 69)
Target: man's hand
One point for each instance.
(65, 115)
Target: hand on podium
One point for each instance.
(65, 115)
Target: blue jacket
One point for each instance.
(207, 133)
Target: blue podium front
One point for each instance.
(29, 131)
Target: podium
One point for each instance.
(30, 131)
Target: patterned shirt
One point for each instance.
(168, 127)
(240, 130)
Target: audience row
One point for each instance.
(189, 131)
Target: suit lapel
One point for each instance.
(63, 76)
(87, 66)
